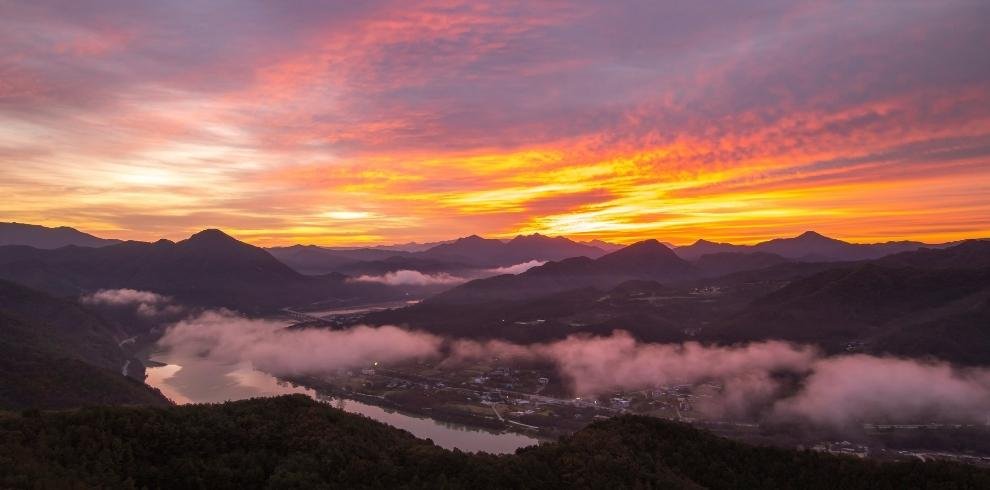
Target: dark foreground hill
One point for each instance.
(55, 354)
(295, 442)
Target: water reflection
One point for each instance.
(197, 380)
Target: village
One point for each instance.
(532, 400)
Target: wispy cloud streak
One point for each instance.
(602, 120)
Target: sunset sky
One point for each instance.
(385, 122)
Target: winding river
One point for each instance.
(197, 380)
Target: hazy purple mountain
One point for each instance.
(808, 246)
(921, 303)
(705, 247)
(485, 252)
(409, 246)
(648, 259)
(312, 259)
(470, 248)
(524, 248)
(722, 263)
(968, 254)
(467, 253)
(209, 268)
(48, 238)
(607, 247)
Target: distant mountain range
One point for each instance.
(396, 247)
(313, 259)
(466, 254)
(486, 252)
(475, 252)
(646, 260)
(922, 303)
(48, 238)
(210, 268)
(807, 247)
(929, 302)
(901, 297)
(603, 245)
(643, 260)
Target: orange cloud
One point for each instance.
(391, 122)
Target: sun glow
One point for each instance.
(425, 123)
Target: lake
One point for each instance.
(198, 380)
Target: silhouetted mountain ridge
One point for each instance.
(463, 254)
(922, 303)
(874, 305)
(648, 259)
(490, 253)
(808, 246)
(210, 268)
(312, 259)
(48, 238)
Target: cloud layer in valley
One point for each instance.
(517, 268)
(766, 379)
(411, 278)
(229, 337)
(146, 303)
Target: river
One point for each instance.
(198, 380)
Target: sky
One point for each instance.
(346, 123)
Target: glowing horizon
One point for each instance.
(388, 122)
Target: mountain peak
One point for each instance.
(813, 235)
(648, 243)
(211, 234)
(536, 238)
(43, 237)
(647, 259)
(212, 238)
(645, 248)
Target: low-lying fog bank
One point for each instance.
(766, 380)
(416, 278)
(770, 381)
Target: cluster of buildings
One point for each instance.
(843, 447)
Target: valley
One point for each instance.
(511, 245)
(495, 370)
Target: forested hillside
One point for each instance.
(295, 442)
(56, 354)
